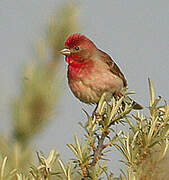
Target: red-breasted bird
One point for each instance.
(91, 72)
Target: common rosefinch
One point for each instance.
(91, 72)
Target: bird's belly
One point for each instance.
(83, 92)
(88, 87)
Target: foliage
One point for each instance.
(144, 146)
(35, 105)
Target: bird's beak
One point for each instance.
(65, 52)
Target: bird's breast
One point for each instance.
(90, 80)
(79, 70)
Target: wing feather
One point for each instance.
(113, 66)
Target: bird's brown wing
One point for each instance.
(113, 67)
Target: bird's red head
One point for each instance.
(78, 48)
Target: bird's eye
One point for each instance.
(76, 48)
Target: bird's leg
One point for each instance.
(94, 112)
(117, 96)
(123, 104)
(120, 94)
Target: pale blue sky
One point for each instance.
(134, 32)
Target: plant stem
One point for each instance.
(99, 149)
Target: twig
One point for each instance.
(99, 149)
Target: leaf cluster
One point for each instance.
(144, 146)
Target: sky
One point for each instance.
(134, 33)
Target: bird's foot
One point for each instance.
(96, 115)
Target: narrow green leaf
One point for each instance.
(52, 157)
(134, 139)
(69, 171)
(78, 148)
(152, 94)
(120, 150)
(19, 176)
(164, 148)
(153, 125)
(128, 147)
(131, 125)
(89, 118)
(156, 101)
(72, 147)
(62, 167)
(101, 103)
(115, 109)
(165, 131)
(3, 167)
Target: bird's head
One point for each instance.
(78, 48)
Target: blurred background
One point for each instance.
(37, 108)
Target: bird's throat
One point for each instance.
(75, 64)
(78, 69)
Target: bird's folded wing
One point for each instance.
(113, 67)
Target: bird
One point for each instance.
(92, 72)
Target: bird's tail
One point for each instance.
(135, 105)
